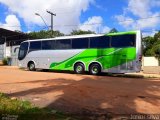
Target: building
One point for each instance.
(9, 44)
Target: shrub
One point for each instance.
(5, 61)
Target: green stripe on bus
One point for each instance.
(109, 58)
(121, 33)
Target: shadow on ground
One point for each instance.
(99, 95)
(87, 73)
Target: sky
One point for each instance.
(99, 16)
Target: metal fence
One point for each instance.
(1, 52)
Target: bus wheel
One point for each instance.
(79, 68)
(95, 69)
(31, 66)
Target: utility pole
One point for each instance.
(52, 14)
(42, 19)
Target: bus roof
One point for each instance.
(87, 35)
(122, 33)
(69, 37)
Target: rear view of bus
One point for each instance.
(113, 53)
(128, 52)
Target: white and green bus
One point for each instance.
(114, 53)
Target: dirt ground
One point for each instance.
(81, 93)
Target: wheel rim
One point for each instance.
(31, 66)
(94, 70)
(79, 69)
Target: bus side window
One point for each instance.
(48, 45)
(63, 44)
(35, 45)
(100, 42)
(80, 43)
(123, 41)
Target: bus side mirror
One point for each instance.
(15, 49)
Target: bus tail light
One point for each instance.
(140, 58)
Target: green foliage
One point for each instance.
(2, 95)
(81, 32)
(157, 36)
(44, 34)
(151, 46)
(5, 61)
(26, 111)
(114, 30)
(50, 34)
(148, 45)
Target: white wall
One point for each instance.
(150, 61)
(8, 52)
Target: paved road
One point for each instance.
(80, 93)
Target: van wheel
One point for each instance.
(95, 69)
(79, 68)
(31, 66)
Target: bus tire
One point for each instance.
(31, 66)
(95, 69)
(79, 68)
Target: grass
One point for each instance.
(24, 110)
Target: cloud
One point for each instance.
(148, 23)
(140, 8)
(100, 7)
(10, 21)
(68, 11)
(126, 22)
(139, 14)
(149, 33)
(155, 3)
(95, 24)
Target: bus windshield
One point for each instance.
(23, 50)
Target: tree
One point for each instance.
(114, 30)
(157, 36)
(148, 45)
(44, 34)
(49, 34)
(156, 45)
(151, 46)
(81, 32)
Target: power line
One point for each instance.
(88, 24)
(152, 30)
(81, 24)
(140, 18)
(77, 25)
(56, 25)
